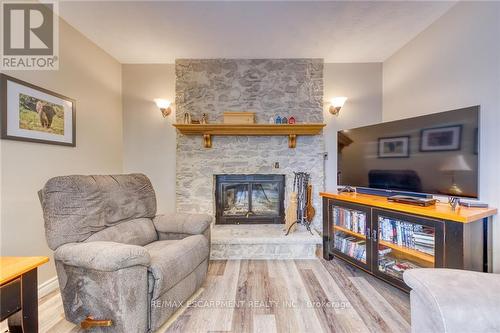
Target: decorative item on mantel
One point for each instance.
(204, 119)
(239, 117)
(187, 118)
(284, 120)
(277, 120)
(291, 120)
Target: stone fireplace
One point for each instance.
(249, 199)
(268, 87)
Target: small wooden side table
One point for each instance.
(19, 291)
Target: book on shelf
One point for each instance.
(424, 248)
(350, 219)
(423, 241)
(411, 235)
(395, 267)
(351, 246)
(423, 237)
(383, 263)
(384, 250)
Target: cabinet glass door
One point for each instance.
(404, 242)
(349, 233)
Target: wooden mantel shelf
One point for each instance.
(207, 130)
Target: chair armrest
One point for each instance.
(102, 256)
(466, 301)
(191, 224)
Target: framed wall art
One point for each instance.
(34, 114)
(441, 138)
(394, 147)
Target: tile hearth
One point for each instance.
(263, 241)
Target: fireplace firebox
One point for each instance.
(247, 199)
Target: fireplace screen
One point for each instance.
(249, 199)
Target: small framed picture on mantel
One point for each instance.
(34, 114)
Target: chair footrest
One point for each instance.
(90, 322)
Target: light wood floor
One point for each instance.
(277, 296)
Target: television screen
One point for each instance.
(434, 154)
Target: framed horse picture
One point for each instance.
(30, 113)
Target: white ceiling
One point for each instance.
(161, 31)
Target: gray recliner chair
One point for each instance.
(115, 258)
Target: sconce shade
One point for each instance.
(164, 106)
(338, 101)
(336, 104)
(162, 103)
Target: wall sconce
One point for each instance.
(164, 106)
(336, 104)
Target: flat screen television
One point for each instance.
(431, 154)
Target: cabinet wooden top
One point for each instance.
(13, 267)
(440, 210)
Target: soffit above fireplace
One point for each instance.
(207, 130)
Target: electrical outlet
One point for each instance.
(276, 165)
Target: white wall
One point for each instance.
(149, 140)
(92, 77)
(454, 63)
(362, 84)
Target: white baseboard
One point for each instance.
(47, 287)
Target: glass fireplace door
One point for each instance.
(235, 199)
(250, 199)
(265, 199)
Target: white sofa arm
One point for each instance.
(451, 300)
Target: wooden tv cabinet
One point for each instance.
(385, 238)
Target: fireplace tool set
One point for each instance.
(302, 191)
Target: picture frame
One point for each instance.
(34, 114)
(394, 147)
(445, 138)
